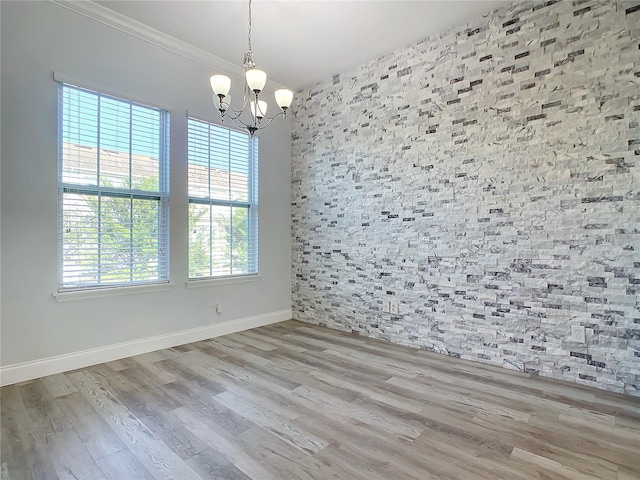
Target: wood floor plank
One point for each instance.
(209, 410)
(222, 444)
(262, 397)
(274, 342)
(301, 374)
(210, 464)
(618, 449)
(298, 401)
(22, 454)
(148, 361)
(257, 365)
(94, 433)
(70, 458)
(373, 445)
(627, 474)
(280, 458)
(58, 385)
(371, 416)
(204, 387)
(46, 416)
(435, 396)
(374, 391)
(112, 380)
(533, 462)
(344, 466)
(121, 364)
(36, 462)
(280, 426)
(141, 376)
(484, 459)
(244, 352)
(123, 465)
(171, 432)
(206, 365)
(157, 458)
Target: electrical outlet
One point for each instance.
(386, 306)
(216, 305)
(390, 306)
(578, 334)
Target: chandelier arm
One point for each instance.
(236, 115)
(245, 102)
(281, 113)
(246, 96)
(269, 120)
(237, 121)
(228, 108)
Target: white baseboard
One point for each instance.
(21, 372)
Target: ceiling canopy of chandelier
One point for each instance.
(255, 82)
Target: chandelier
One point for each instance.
(257, 118)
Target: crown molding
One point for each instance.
(141, 31)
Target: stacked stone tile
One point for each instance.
(488, 180)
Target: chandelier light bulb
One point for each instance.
(256, 79)
(220, 84)
(284, 98)
(261, 110)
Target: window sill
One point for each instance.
(214, 282)
(111, 291)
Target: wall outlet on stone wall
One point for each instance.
(389, 306)
(578, 334)
(394, 308)
(386, 306)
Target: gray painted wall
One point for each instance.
(39, 38)
(487, 181)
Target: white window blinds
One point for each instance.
(113, 191)
(223, 215)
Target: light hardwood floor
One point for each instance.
(295, 401)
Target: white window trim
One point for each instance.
(72, 293)
(226, 280)
(88, 293)
(252, 205)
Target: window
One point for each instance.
(113, 195)
(222, 172)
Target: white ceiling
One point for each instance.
(301, 42)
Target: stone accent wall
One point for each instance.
(487, 182)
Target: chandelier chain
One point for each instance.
(249, 35)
